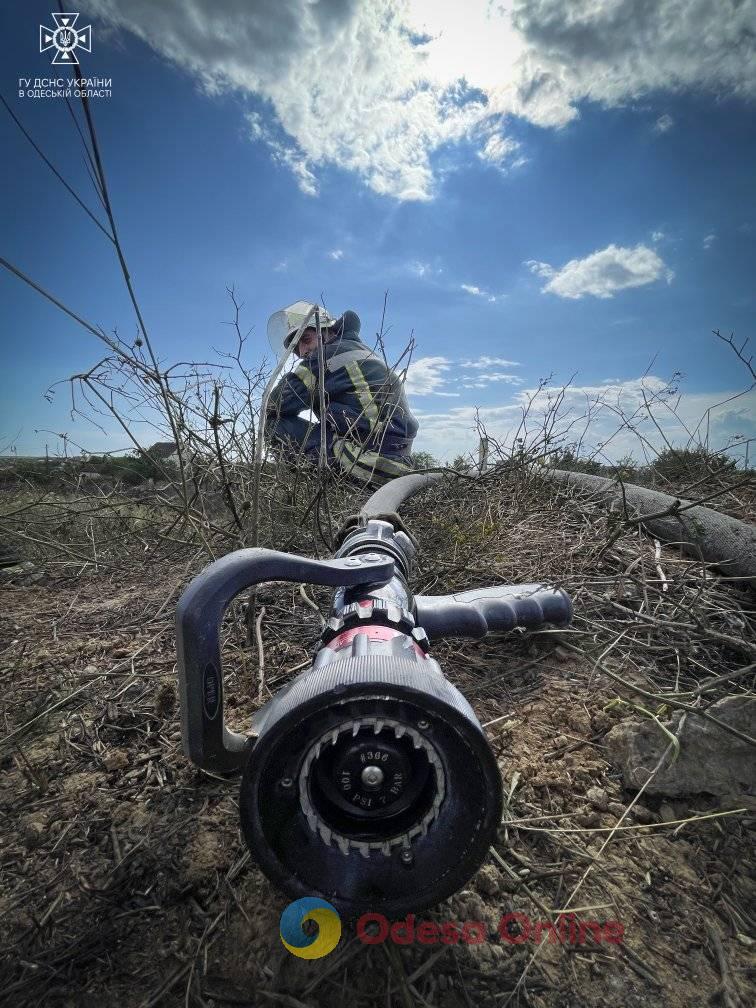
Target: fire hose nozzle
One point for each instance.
(207, 741)
(367, 779)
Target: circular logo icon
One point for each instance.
(64, 39)
(293, 935)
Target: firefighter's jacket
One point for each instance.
(370, 425)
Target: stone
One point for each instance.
(643, 815)
(487, 881)
(35, 829)
(598, 797)
(587, 820)
(116, 760)
(711, 760)
(17, 572)
(667, 813)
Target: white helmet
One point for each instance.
(284, 324)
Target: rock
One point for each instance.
(579, 721)
(601, 722)
(588, 820)
(487, 881)
(643, 814)
(471, 906)
(116, 760)
(22, 572)
(165, 700)
(711, 760)
(599, 798)
(35, 829)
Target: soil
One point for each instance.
(125, 880)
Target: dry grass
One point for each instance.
(124, 877)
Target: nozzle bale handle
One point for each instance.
(484, 610)
(207, 741)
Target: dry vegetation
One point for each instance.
(124, 877)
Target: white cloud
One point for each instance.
(426, 376)
(709, 240)
(479, 292)
(540, 269)
(285, 154)
(664, 123)
(351, 84)
(422, 269)
(429, 375)
(656, 236)
(502, 151)
(484, 380)
(601, 274)
(336, 254)
(486, 362)
(451, 433)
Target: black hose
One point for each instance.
(390, 497)
(699, 531)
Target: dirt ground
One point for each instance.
(125, 880)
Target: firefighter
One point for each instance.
(369, 425)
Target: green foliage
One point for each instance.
(36, 470)
(130, 470)
(423, 460)
(625, 468)
(566, 458)
(686, 465)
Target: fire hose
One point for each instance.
(367, 780)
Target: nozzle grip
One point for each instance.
(207, 741)
(485, 610)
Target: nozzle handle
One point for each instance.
(485, 610)
(207, 741)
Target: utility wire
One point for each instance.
(99, 333)
(53, 169)
(88, 162)
(100, 176)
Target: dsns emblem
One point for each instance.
(65, 37)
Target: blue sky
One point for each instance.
(542, 188)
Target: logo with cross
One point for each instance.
(65, 37)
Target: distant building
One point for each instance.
(163, 451)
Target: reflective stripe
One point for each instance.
(352, 458)
(347, 357)
(349, 467)
(363, 393)
(305, 376)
